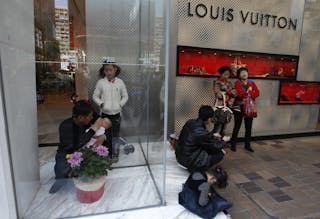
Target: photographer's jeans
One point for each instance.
(60, 166)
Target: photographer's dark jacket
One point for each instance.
(196, 144)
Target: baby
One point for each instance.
(105, 124)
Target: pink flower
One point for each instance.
(102, 151)
(75, 159)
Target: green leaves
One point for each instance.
(92, 166)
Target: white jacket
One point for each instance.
(112, 94)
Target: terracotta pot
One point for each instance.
(89, 191)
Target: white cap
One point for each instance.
(109, 59)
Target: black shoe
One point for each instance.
(57, 185)
(249, 148)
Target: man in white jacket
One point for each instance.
(111, 95)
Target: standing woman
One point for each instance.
(111, 95)
(244, 87)
(223, 86)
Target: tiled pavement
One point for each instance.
(281, 179)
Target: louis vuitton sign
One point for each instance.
(271, 26)
(220, 13)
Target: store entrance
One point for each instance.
(54, 103)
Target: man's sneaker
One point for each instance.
(57, 185)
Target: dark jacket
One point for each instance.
(196, 144)
(73, 137)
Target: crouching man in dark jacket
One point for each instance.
(197, 149)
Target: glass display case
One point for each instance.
(73, 40)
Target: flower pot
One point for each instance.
(89, 191)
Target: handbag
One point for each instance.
(222, 114)
(249, 107)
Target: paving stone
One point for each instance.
(266, 174)
(293, 210)
(283, 198)
(267, 158)
(308, 180)
(276, 193)
(261, 143)
(276, 146)
(278, 141)
(253, 176)
(280, 171)
(317, 189)
(247, 185)
(242, 215)
(296, 194)
(317, 165)
(282, 184)
(282, 214)
(265, 201)
(288, 164)
(291, 171)
(253, 189)
(238, 178)
(271, 206)
(275, 179)
(266, 185)
(255, 213)
(294, 182)
(298, 176)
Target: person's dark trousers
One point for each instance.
(212, 160)
(112, 134)
(60, 166)
(238, 116)
(219, 128)
(60, 169)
